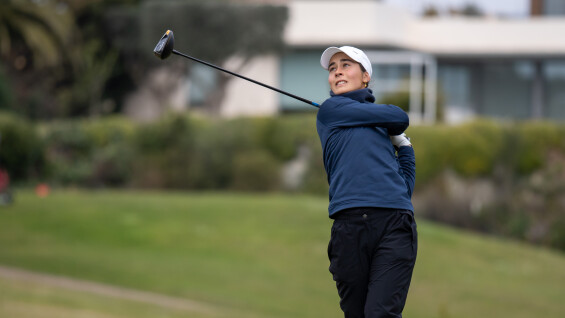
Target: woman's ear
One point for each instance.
(366, 77)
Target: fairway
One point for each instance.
(244, 255)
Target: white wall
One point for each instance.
(475, 36)
(324, 23)
(244, 98)
(376, 24)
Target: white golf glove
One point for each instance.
(400, 140)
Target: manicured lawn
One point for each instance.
(37, 300)
(248, 255)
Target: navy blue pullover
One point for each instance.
(361, 163)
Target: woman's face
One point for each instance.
(346, 74)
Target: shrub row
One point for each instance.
(523, 162)
(176, 152)
(476, 149)
(21, 148)
(193, 153)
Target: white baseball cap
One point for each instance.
(353, 52)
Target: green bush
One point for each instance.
(109, 130)
(315, 180)
(557, 233)
(6, 95)
(69, 151)
(112, 165)
(476, 149)
(170, 131)
(402, 100)
(432, 155)
(255, 171)
(524, 161)
(287, 133)
(21, 150)
(90, 153)
(531, 141)
(184, 152)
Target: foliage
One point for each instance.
(402, 100)
(35, 41)
(68, 153)
(471, 10)
(476, 149)
(472, 150)
(239, 154)
(58, 42)
(42, 27)
(91, 54)
(213, 31)
(6, 95)
(21, 149)
(255, 171)
(89, 153)
(520, 166)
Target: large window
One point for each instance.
(302, 75)
(554, 7)
(455, 87)
(500, 89)
(554, 74)
(203, 81)
(389, 79)
(506, 89)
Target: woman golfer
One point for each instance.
(370, 166)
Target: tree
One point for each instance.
(34, 37)
(430, 11)
(63, 43)
(471, 10)
(468, 9)
(34, 32)
(210, 30)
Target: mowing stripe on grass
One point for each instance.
(106, 290)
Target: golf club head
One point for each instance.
(165, 46)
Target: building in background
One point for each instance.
(457, 67)
(547, 7)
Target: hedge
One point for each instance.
(475, 149)
(21, 148)
(525, 161)
(181, 151)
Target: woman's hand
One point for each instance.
(400, 140)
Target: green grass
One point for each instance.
(34, 300)
(247, 256)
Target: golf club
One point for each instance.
(164, 48)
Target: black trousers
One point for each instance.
(372, 253)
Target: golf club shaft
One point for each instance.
(247, 78)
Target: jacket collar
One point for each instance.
(364, 95)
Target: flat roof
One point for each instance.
(374, 24)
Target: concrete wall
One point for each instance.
(244, 98)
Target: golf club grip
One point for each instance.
(249, 79)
